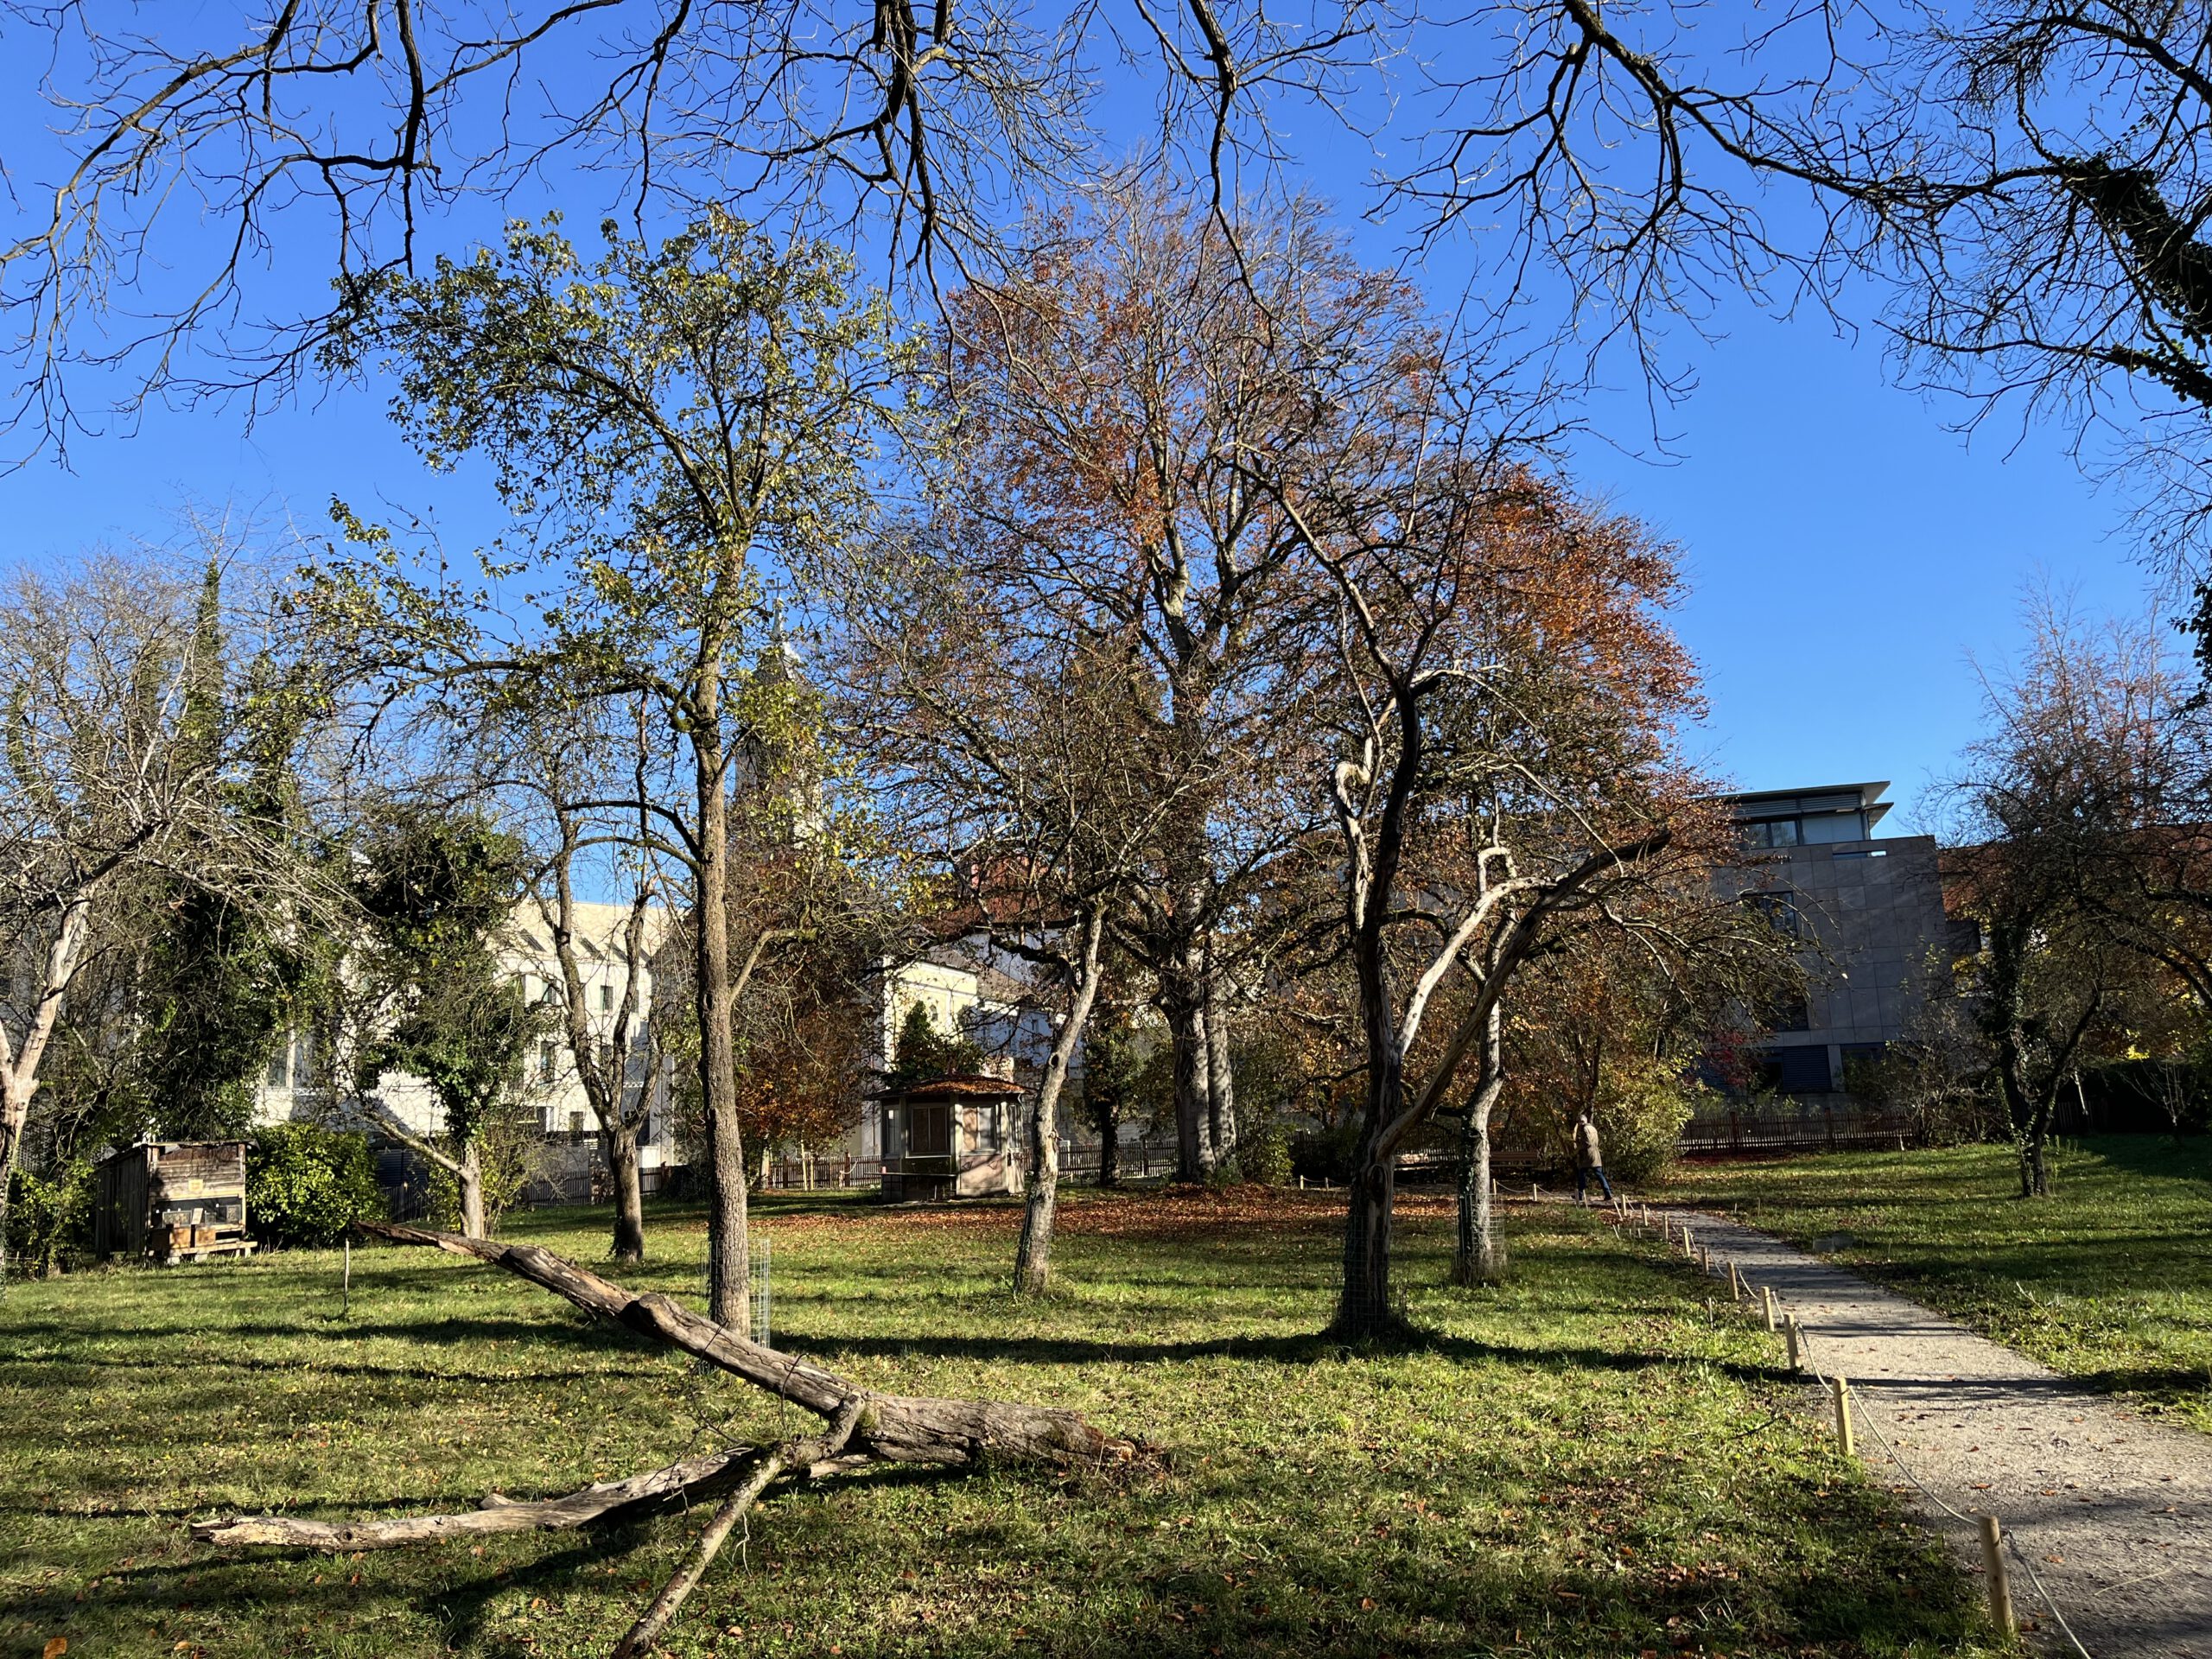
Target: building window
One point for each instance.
(989, 1129)
(576, 1126)
(545, 1062)
(1797, 1071)
(280, 1064)
(1834, 826)
(606, 998)
(1771, 832)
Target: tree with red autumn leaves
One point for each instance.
(1105, 401)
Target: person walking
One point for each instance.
(1589, 1159)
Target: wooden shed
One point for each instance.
(951, 1137)
(171, 1200)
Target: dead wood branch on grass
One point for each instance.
(863, 1428)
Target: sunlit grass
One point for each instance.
(2109, 1279)
(1579, 1462)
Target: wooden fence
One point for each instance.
(1797, 1126)
(836, 1171)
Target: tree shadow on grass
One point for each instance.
(1306, 1349)
(558, 1327)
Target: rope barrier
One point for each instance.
(2011, 1541)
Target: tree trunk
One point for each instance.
(1109, 1147)
(620, 1143)
(19, 1066)
(727, 1268)
(1221, 1084)
(1364, 1307)
(469, 1175)
(1477, 1261)
(13, 1112)
(1193, 1127)
(1032, 1256)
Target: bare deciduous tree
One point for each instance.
(117, 760)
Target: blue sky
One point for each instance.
(1846, 551)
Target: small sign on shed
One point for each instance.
(171, 1200)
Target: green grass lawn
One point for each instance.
(1581, 1463)
(2110, 1278)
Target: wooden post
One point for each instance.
(2000, 1582)
(1766, 1294)
(1789, 1330)
(1843, 1436)
(346, 1284)
(1735, 1283)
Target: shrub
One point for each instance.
(49, 1217)
(1264, 1153)
(306, 1185)
(1640, 1113)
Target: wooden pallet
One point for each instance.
(208, 1252)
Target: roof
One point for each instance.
(1814, 798)
(963, 1085)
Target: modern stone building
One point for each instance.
(1870, 909)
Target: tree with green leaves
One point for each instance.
(677, 430)
(437, 892)
(922, 1051)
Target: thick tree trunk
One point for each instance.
(1363, 1305)
(619, 1142)
(1032, 1256)
(1221, 1082)
(1109, 1148)
(1186, 1034)
(468, 1176)
(728, 1266)
(1476, 1260)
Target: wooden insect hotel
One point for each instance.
(171, 1200)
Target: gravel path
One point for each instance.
(2114, 1512)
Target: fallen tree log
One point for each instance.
(686, 1482)
(864, 1426)
(900, 1429)
(771, 1464)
